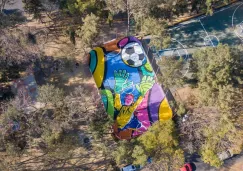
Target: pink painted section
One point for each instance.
(142, 114)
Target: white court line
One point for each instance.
(234, 14)
(203, 16)
(233, 22)
(210, 39)
(169, 49)
(206, 32)
(187, 56)
(241, 26)
(178, 52)
(223, 9)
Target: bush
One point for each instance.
(181, 110)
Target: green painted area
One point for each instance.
(147, 70)
(108, 101)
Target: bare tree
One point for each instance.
(16, 49)
(84, 105)
(128, 6)
(192, 129)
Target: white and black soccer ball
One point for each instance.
(132, 55)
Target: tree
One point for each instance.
(156, 29)
(209, 132)
(219, 138)
(167, 9)
(191, 131)
(217, 71)
(132, 8)
(83, 7)
(171, 75)
(84, 106)
(16, 53)
(210, 5)
(59, 145)
(216, 68)
(49, 94)
(115, 6)
(89, 30)
(33, 7)
(161, 144)
(15, 49)
(181, 110)
(123, 153)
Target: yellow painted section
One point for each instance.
(117, 104)
(148, 67)
(126, 112)
(100, 68)
(165, 111)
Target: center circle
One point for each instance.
(211, 40)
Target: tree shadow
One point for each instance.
(66, 73)
(11, 17)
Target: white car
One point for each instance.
(130, 168)
(225, 155)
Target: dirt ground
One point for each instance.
(186, 95)
(71, 76)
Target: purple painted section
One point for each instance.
(155, 98)
(134, 39)
(123, 42)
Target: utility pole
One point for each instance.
(128, 16)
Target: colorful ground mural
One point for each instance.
(128, 87)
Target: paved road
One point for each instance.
(233, 164)
(198, 164)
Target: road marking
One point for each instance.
(187, 56)
(234, 14)
(223, 9)
(235, 31)
(208, 37)
(203, 16)
(206, 32)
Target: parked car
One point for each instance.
(186, 167)
(135, 168)
(130, 168)
(225, 155)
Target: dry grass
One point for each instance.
(187, 96)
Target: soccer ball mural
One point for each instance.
(128, 87)
(132, 55)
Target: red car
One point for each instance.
(187, 167)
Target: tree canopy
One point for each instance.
(161, 144)
(217, 70)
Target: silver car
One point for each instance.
(225, 155)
